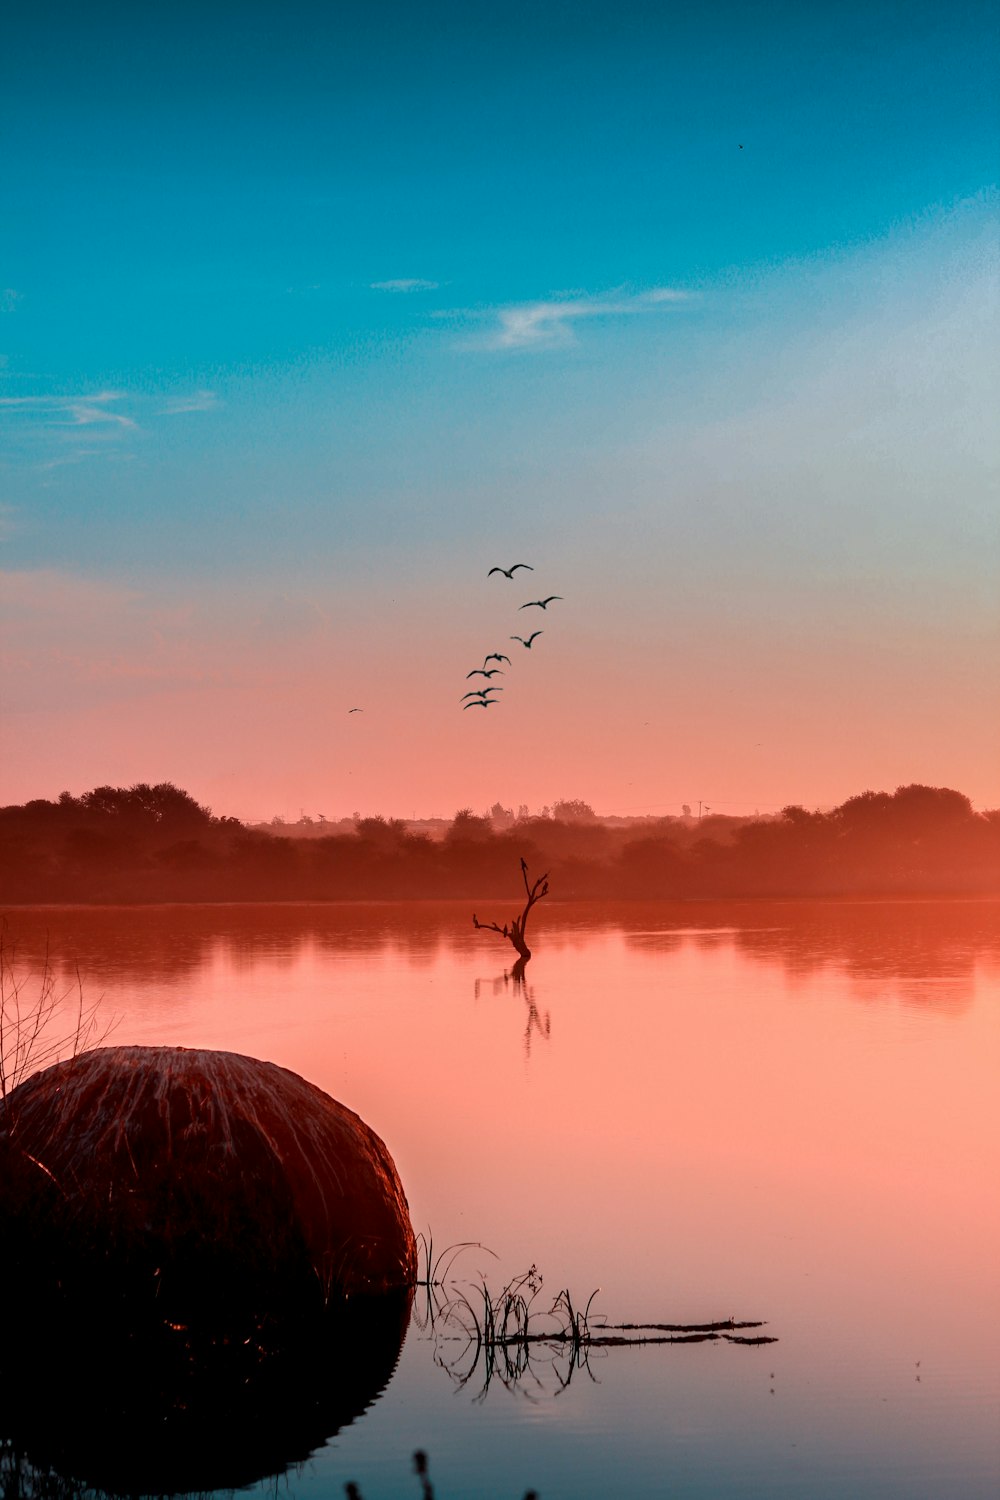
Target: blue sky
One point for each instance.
(319, 304)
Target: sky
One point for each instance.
(310, 315)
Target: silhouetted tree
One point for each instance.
(574, 811)
(156, 843)
(468, 827)
(514, 929)
(384, 833)
(142, 803)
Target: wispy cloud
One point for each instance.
(77, 457)
(71, 411)
(92, 414)
(9, 299)
(405, 284)
(198, 401)
(550, 324)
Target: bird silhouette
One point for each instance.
(496, 656)
(540, 603)
(355, 710)
(482, 672)
(509, 572)
(527, 642)
(481, 693)
(482, 703)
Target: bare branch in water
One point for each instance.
(514, 930)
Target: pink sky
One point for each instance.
(773, 529)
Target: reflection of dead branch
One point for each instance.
(42, 1027)
(513, 930)
(536, 1021)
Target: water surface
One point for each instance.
(758, 1110)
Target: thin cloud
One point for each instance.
(71, 411)
(199, 401)
(9, 299)
(88, 414)
(405, 284)
(550, 324)
(78, 457)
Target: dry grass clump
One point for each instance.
(185, 1166)
(213, 1260)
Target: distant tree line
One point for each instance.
(156, 843)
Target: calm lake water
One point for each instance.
(775, 1111)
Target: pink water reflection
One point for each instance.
(753, 1110)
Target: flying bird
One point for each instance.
(482, 703)
(355, 710)
(481, 693)
(482, 672)
(527, 642)
(497, 656)
(540, 603)
(509, 572)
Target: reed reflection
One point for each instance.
(484, 1338)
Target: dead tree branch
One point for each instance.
(513, 930)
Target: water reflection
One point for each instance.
(732, 1115)
(104, 1413)
(512, 981)
(172, 943)
(483, 1339)
(929, 950)
(924, 953)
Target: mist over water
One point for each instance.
(771, 1110)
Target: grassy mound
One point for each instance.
(205, 1248)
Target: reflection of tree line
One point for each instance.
(157, 943)
(926, 951)
(931, 948)
(149, 844)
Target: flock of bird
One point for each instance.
(480, 697)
